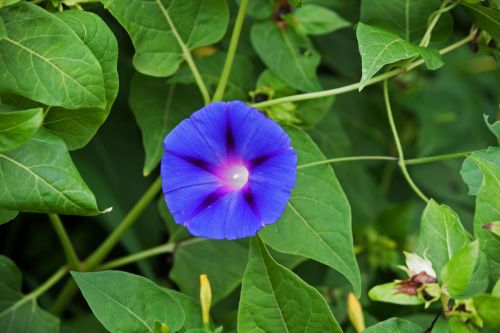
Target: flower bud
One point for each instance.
(205, 298)
(355, 312)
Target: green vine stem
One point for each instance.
(347, 159)
(233, 45)
(423, 160)
(49, 283)
(413, 161)
(102, 251)
(186, 54)
(65, 295)
(165, 248)
(69, 250)
(355, 86)
(58, 275)
(161, 249)
(399, 147)
(424, 42)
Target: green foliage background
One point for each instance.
(392, 107)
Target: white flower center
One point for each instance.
(237, 176)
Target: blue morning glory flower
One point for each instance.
(227, 171)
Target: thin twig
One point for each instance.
(69, 250)
(399, 147)
(431, 326)
(233, 45)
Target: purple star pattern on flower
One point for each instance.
(227, 171)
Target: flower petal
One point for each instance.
(212, 123)
(189, 201)
(255, 135)
(229, 217)
(278, 170)
(187, 141)
(177, 172)
(271, 183)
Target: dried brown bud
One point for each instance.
(416, 282)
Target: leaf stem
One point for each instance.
(423, 160)
(103, 250)
(426, 38)
(58, 275)
(431, 326)
(413, 161)
(355, 86)
(49, 283)
(65, 295)
(165, 248)
(187, 54)
(233, 45)
(69, 250)
(399, 147)
(347, 159)
(458, 43)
